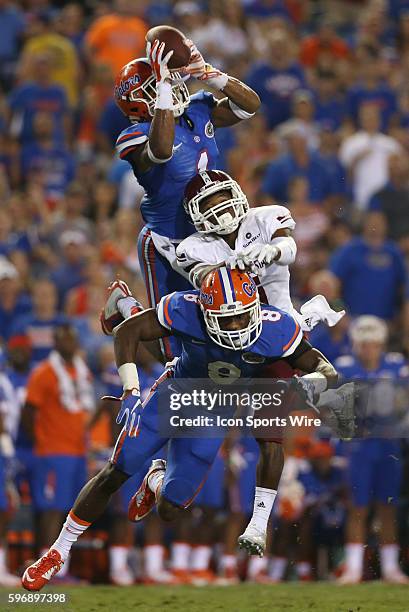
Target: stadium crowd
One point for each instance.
(330, 142)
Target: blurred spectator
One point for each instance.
(59, 400)
(12, 26)
(13, 301)
(118, 37)
(70, 272)
(302, 119)
(39, 325)
(393, 199)
(38, 94)
(375, 464)
(330, 106)
(365, 154)
(276, 78)
(371, 271)
(371, 88)
(297, 162)
(44, 40)
(331, 341)
(46, 159)
(323, 48)
(71, 215)
(223, 39)
(70, 23)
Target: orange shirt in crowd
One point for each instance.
(56, 430)
(312, 50)
(116, 40)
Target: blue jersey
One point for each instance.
(202, 358)
(194, 149)
(392, 366)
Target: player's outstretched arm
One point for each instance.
(142, 327)
(159, 147)
(241, 101)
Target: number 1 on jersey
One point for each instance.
(202, 161)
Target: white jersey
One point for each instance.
(257, 227)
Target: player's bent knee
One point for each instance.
(110, 478)
(178, 492)
(167, 510)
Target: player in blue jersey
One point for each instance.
(171, 138)
(226, 335)
(375, 464)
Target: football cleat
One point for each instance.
(144, 500)
(121, 577)
(349, 577)
(110, 316)
(395, 577)
(254, 541)
(341, 406)
(40, 573)
(9, 580)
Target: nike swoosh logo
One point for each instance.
(176, 147)
(29, 579)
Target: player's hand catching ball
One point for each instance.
(199, 69)
(159, 64)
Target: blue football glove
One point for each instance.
(131, 410)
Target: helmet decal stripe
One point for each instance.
(231, 284)
(227, 286)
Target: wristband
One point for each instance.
(153, 158)
(164, 99)
(239, 112)
(128, 374)
(219, 81)
(288, 250)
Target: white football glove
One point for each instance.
(201, 70)
(159, 64)
(261, 253)
(256, 254)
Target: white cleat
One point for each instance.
(349, 578)
(122, 577)
(9, 580)
(253, 541)
(341, 405)
(395, 577)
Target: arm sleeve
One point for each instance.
(179, 313)
(130, 138)
(302, 348)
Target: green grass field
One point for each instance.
(289, 597)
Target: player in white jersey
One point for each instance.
(257, 240)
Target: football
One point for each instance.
(174, 40)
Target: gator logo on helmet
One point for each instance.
(250, 288)
(206, 298)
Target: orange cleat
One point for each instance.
(40, 573)
(202, 577)
(144, 500)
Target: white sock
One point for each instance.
(354, 558)
(118, 558)
(303, 569)
(256, 566)
(3, 567)
(277, 568)
(389, 554)
(180, 553)
(153, 559)
(201, 557)
(228, 562)
(155, 481)
(126, 306)
(263, 504)
(70, 532)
